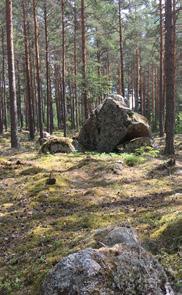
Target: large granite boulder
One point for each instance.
(125, 268)
(111, 124)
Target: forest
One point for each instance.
(90, 147)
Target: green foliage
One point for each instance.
(132, 159)
(147, 151)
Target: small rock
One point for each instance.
(51, 181)
(117, 168)
(111, 236)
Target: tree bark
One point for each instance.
(161, 79)
(63, 66)
(4, 84)
(27, 68)
(37, 62)
(19, 104)
(84, 82)
(174, 43)
(121, 53)
(137, 78)
(11, 74)
(32, 80)
(148, 95)
(58, 95)
(169, 77)
(1, 109)
(48, 80)
(75, 67)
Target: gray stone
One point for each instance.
(106, 271)
(117, 168)
(125, 268)
(57, 145)
(110, 124)
(117, 235)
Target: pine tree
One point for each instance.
(169, 79)
(11, 75)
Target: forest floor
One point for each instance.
(40, 224)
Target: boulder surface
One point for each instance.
(111, 124)
(57, 145)
(118, 235)
(125, 268)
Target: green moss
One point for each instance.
(147, 151)
(40, 224)
(3, 160)
(65, 143)
(31, 171)
(132, 159)
(169, 232)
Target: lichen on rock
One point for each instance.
(125, 268)
(57, 145)
(111, 124)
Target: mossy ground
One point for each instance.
(39, 224)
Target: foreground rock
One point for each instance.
(125, 268)
(111, 124)
(57, 145)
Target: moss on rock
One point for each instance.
(57, 145)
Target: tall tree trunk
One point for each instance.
(84, 82)
(156, 99)
(48, 80)
(75, 67)
(133, 73)
(19, 105)
(148, 95)
(153, 96)
(51, 105)
(58, 95)
(121, 53)
(137, 78)
(63, 66)
(141, 92)
(27, 68)
(169, 77)
(99, 100)
(161, 79)
(11, 74)
(174, 44)
(1, 108)
(37, 61)
(32, 84)
(144, 94)
(4, 84)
